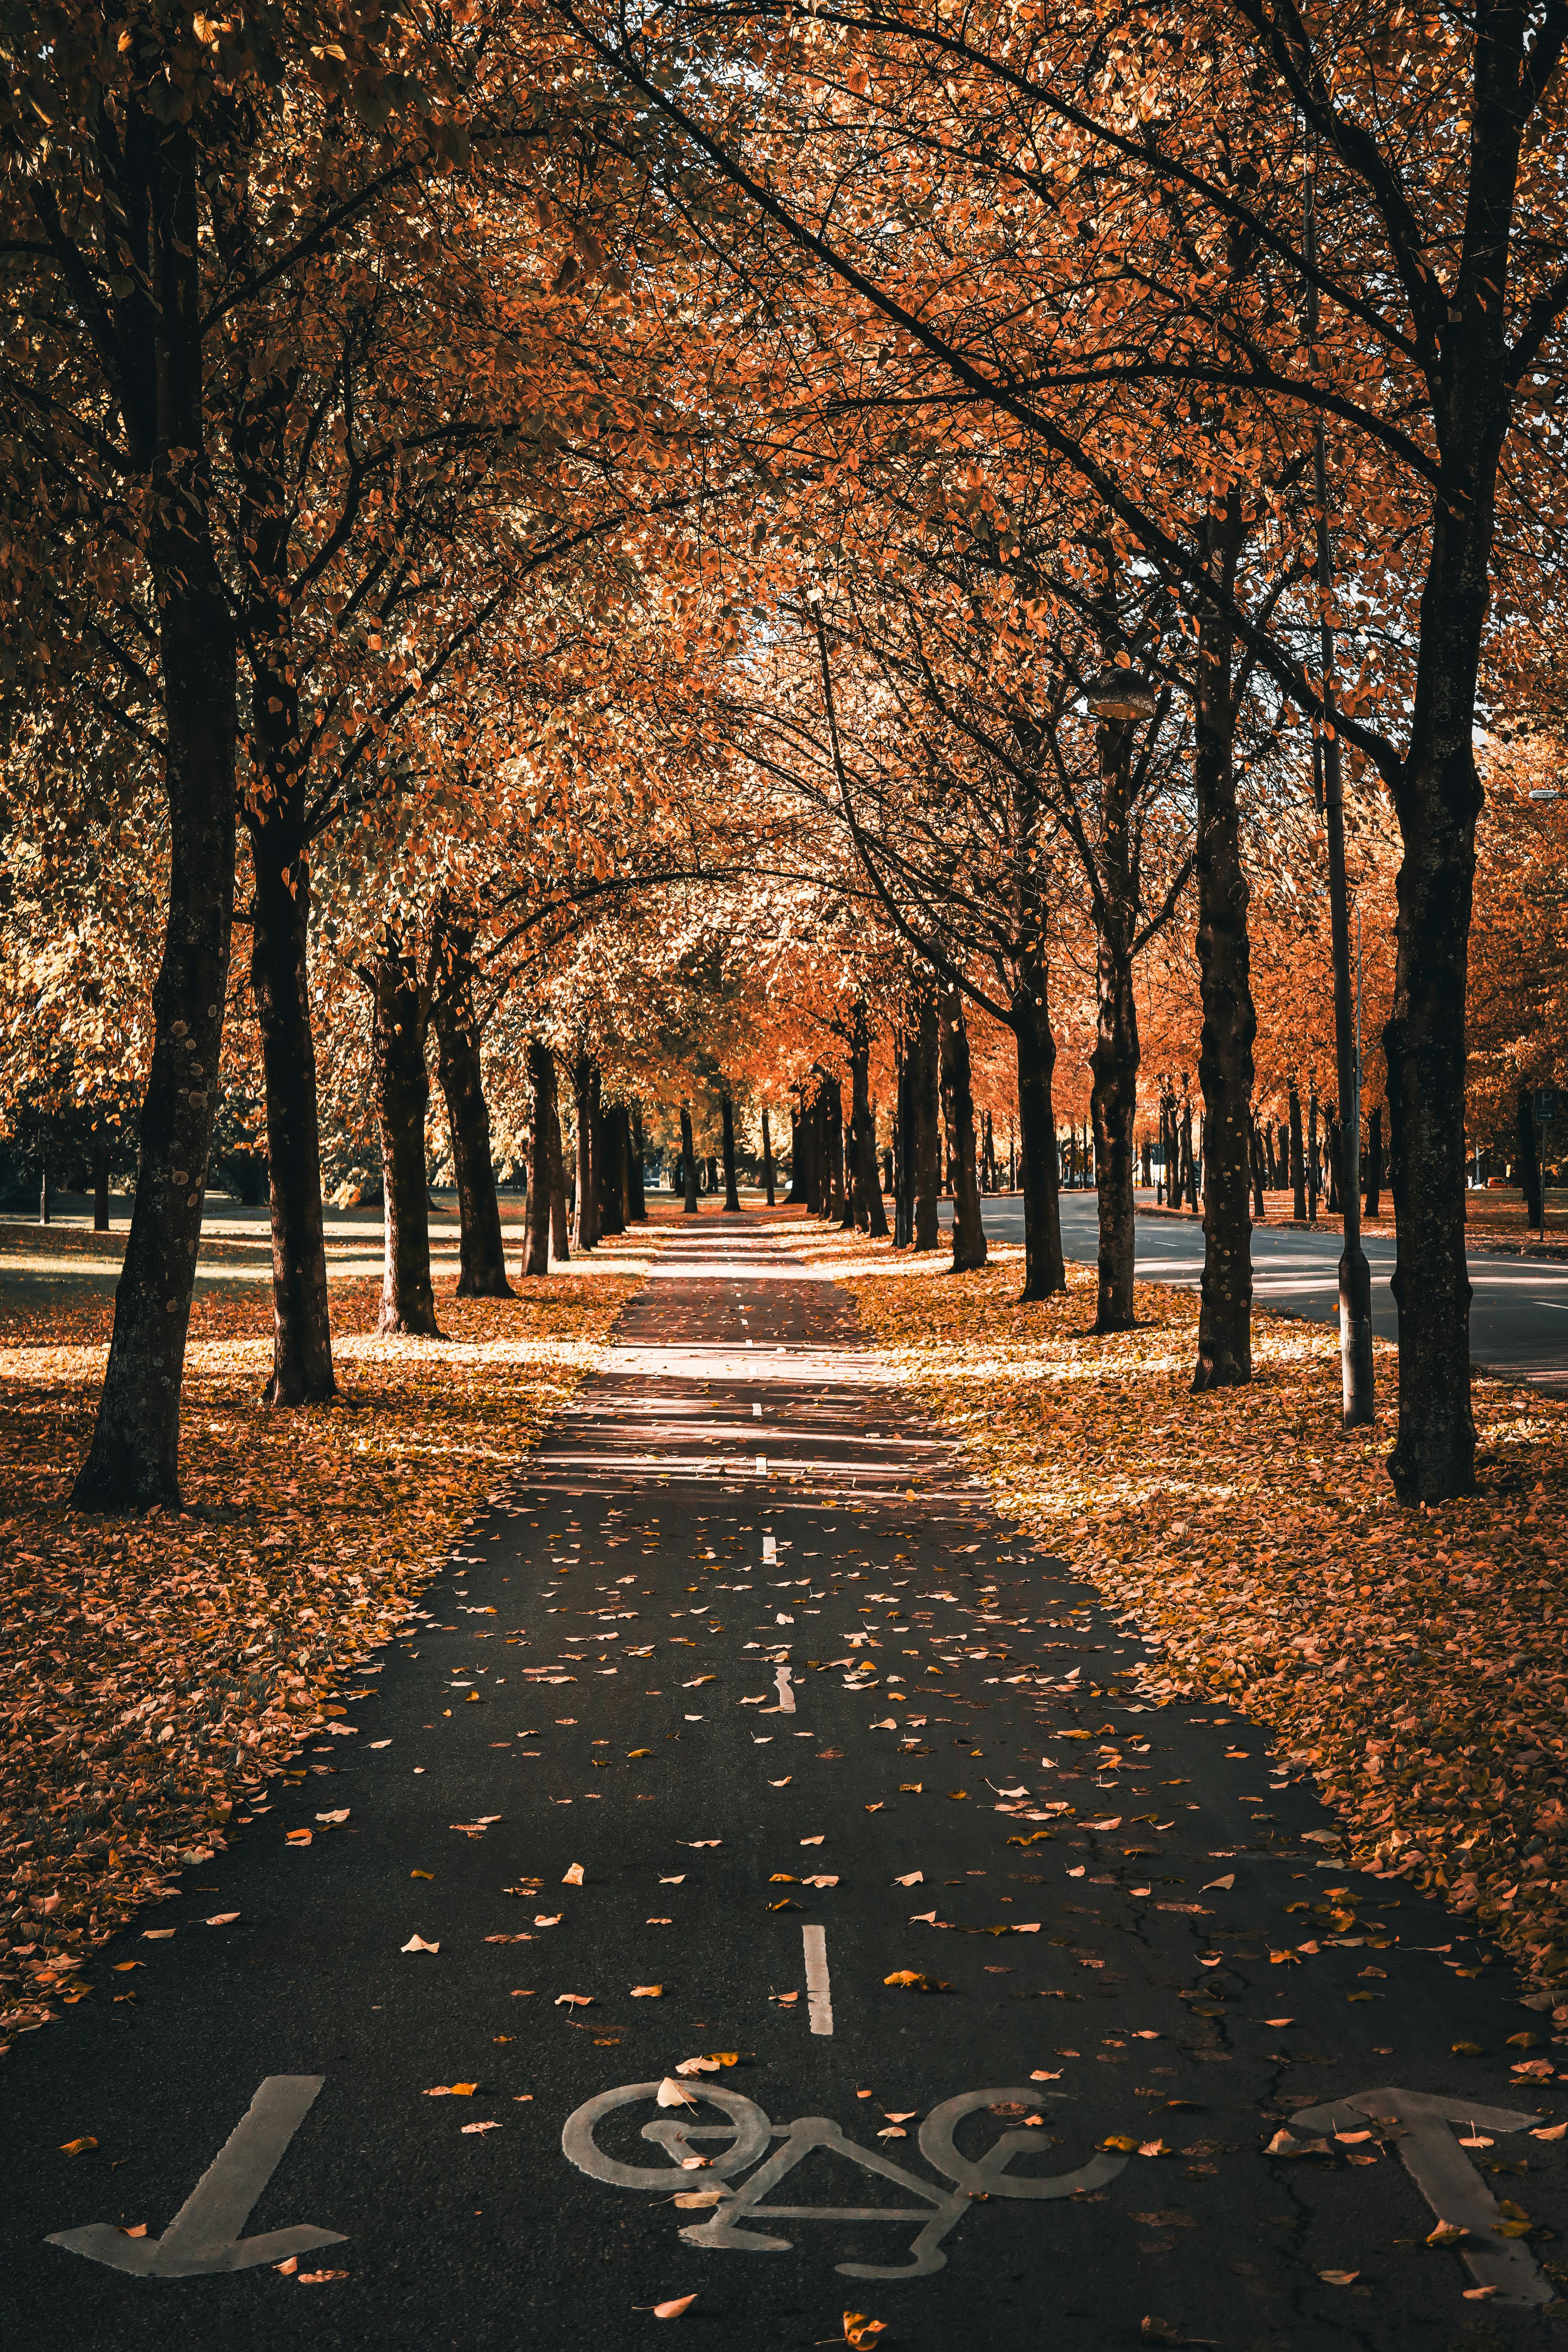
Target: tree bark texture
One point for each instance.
(637, 1198)
(926, 1078)
(968, 1231)
(481, 1252)
(727, 1114)
(541, 1171)
(585, 1072)
(560, 1223)
(1374, 1163)
(688, 1158)
(133, 1463)
(903, 1143)
(1229, 1023)
(612, 1136)
(1113, 1063)
(1040, 1175)
(1297, 1158)
(768, 1178)
(402, 1102)
(99, 1186)
(869, 1212)
(280, 988)
(796, 1193)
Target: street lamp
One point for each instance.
(1121, 694)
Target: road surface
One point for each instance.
(558, 1860)
(1519, 1314)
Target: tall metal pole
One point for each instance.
(1355, 1274)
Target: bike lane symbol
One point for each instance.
(748, 2130)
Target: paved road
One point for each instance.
(647, 1668)
(1518, 1315)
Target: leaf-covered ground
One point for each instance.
(1413, 1661)
(152, 1671)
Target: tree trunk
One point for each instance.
(926, 1077)
(727, 1114)
(402, 1102)
(1529, 1157)
(1336, 1163)
(1257, 1175)
(584, 1074)
(636, 1196)
(869, 1211)
(1374, 1163)
(1229, 1024)
(540, 1186)
(795, 1193)
(133, 1461)
(903, 1141)
(1113, 1063)
(481, 1270)
(968, 1231)
(1045, 1270)
(836, 1206)
(560, 1223)
(688, 1158)
(611, 1136)
(1312, 1171)
(100, 1185)
(1297, 1158)
(280, 986)
(768, 1158)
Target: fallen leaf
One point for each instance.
(1549, 2131)
(859, 2331)
(913, 1878)
(78, 2146)
(648, 1992)
(1040, 2075)
(1338, 2278)
(298, 1837)
(688, 2200)
(221, 1919)
(156, 1934)
(783, 1783)
(573, 1877)
(417, 1943)
(679, 2303)
(452, 2090)
(574, 2000)
(813, 1841)
(1227, 1881)
(335, 1819)
(671, 2093)
(470, 2129)
(1446, 2233)
(421, 1874)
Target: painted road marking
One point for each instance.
(762, 1466)
(1445, 2175)
(748, 2130)
(756, 1412)
(785, 1691)
(204, 2236)
(818, 1993)
(770, 1551)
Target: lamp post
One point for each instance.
(1355, 1274)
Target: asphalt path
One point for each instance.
(744, 1650)
(1519, 1313)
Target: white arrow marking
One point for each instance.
(818, 1993)
(204, 2236)
(1446, 2177)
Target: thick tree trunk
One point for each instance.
(584, 1077)
(613, 1140)
(133, 1461)
(903, 1144)
(560, 1222)
(636, 1194)
(1529, 1156)
(796, 1191)
(688, 1158)
(541, 1174)
(727, 1111)
(482, 1271)
(768, 1178)
(968, 1232)
(926, 1082)
(402, 1102)
(1045, 1270)
(869, 1211)
(1229, 1024)
(281, 987)
(1113, 1063)
(1374, 1163)
(1257, 1175)
(100, 1185)
(834, 1205)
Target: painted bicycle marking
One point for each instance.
(748, 2130)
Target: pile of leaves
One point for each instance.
(1413, 1661)
(154, 1669)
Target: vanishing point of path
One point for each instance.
(744, 1650)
